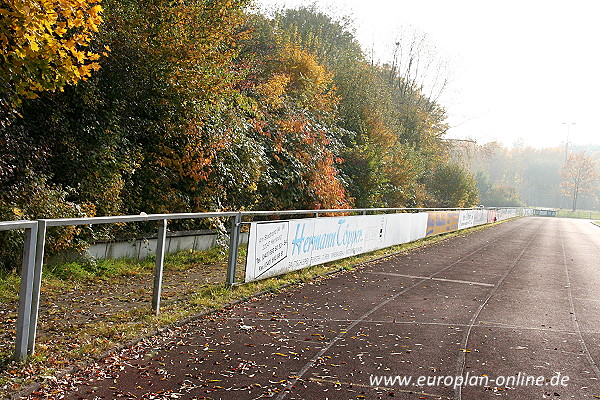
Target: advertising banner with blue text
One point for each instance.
(278, 247)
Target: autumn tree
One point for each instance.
(290, 99)
(170, 79)
(45, 45)
(579, 176)
(153, 130)
(388, 147)
(144, 132)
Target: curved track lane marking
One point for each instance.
(316, 357)
(460, 362)
(584, 347)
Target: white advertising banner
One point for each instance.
(481, 217)
(505, 213)
(278, 247)
(275, 248)
(418, 226)
(269, 246)
(398, 229)
(466, 219)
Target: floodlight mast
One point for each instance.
(568, 124)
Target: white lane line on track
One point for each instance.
(312, 361)
(573, 313)
(460, 363)
(432, 279)
(481, 324)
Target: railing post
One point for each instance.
(234, 243)
(160, 263)
(37, 284)
(25, 293)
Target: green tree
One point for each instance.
(451, 185)
(496, 195)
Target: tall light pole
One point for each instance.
(568, 124)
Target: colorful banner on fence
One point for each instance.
(442, 222)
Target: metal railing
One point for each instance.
(35, 241)
(26, 288)
(33, 263)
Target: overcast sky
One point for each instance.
(518, 69)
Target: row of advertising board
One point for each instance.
(275, 248)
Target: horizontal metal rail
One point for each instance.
(11, 225)
(133, 218)
(346, 210)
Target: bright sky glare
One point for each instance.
(518, 69)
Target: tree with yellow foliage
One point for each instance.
(44, 45)
(579, 176)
